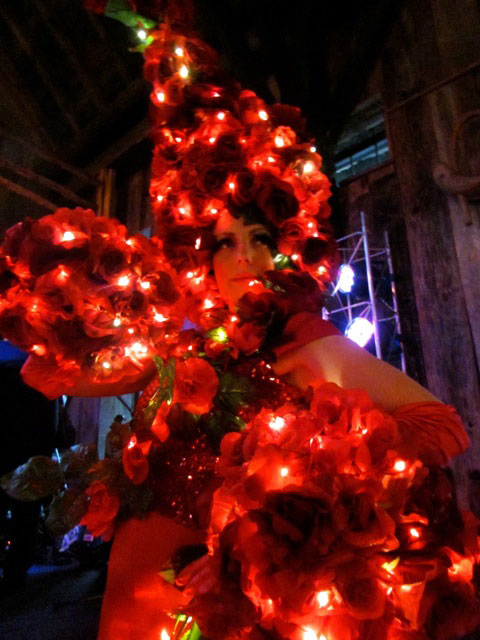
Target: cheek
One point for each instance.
(220, 269)
(264, 260)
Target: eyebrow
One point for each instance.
(230, 234)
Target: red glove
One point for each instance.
(433, 429)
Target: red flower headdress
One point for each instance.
(220, 147)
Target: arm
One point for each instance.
(433, 430)
(338, 359)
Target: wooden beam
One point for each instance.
(98, 27)
(69, 51)
(120, 146)
(84, 177)
(24, 172)
(124, 100)
(26, 193)
(55, 93)
(21, 104)
(427, 47)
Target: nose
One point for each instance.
(244, 253)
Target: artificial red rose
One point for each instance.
(52, 377)
(179, 247)
(71, 337)
(247, 337)
(434, 498)
(159, 426)
(276, 198)
(14, 325)
(195, 385)
(367, 524)
(106, 226)
(14, 237)
(449, 609)
(213, 348)
(315, 250)
(209, 576)
(134, 461)
(102, 509)
(292, 235)
(231, 458)
(294, 527)
(285, 115)
(361, 592)
(300, 153)
(51, 228)
(245, 187)
(382, 435)
(300, 291)
(109, 258)
(249, 106)
(212, 179)
(258, 307)
(228, 149)
(163, 289)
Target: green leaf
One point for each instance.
(38, 478)
(66, 511)
(137, 498)
(193, 634)
(166, 374)
(221, 422)
(77, 460)
(121, 10)
(218, 334)
(234, 392)
(151, 409)
(168, 575)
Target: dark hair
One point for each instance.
(252, 214)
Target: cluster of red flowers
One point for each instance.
(219, 147)
(328, 526)
(76, 291)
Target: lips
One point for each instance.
(244, 276)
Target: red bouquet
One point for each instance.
(79, 294)
(319, 532)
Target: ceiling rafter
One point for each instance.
(82, 175)
(21, 103)
(54, 91)
(28, 194)
(65, 44)
(97, 25)
(25, 172)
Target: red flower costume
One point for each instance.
(259, 510)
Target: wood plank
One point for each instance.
(445, 253)
(26, 193)
(25, 172)
(41, 70)
(69, 52)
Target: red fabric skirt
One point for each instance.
(137, 595)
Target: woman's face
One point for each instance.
(242, 254)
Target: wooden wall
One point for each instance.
(431, 78)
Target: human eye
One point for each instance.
(224, 243)
(262, 238)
